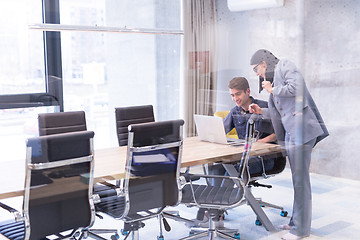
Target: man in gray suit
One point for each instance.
(299, 130)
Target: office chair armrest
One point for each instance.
(119, 190)
(106, 189)
(189, 176)
(16, 213)
(8, 208)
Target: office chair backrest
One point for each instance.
(61, 122)
(277, 161)
(153, 165)
(131, 115)
(58, 184)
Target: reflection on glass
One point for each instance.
(154, 162)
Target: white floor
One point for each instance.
(335, 211)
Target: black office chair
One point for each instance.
(125, 116)
(275, 163)
(152, 172)
(61, 122)
(65, 122)
(213, 199)
(262, 167)
(57, 199)
(219, 198)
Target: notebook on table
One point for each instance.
(211, 129)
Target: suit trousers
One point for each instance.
(299, 156)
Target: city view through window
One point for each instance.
(100, 71)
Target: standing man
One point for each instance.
(282, 79)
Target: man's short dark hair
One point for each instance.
(239, 83)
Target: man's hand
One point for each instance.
(267, 86)
(268, 139)
(254, 108)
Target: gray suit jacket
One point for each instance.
(282, 106)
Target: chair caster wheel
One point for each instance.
(124, 233)
(160, 237)
(237, 235)
(115, 237)
(258, 222)
(284, 213)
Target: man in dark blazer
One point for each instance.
(298, 125)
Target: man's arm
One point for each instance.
(254, 108)
(270, 138)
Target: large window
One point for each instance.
(104, 70)
(84, 70)
(22, 75)
(21, 50)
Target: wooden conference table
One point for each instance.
(110, 163)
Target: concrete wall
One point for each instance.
(328, 57)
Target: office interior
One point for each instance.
(99, 55)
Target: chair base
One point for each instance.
(262, 203)
(266, 204)
(212, 232)
(94, 234)
(177, 218)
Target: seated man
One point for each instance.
(238, 118)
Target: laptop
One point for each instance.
(211, 129)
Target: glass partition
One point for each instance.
(104, 70)
(93, 71)
(309, 34)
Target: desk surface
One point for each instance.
(110, 162)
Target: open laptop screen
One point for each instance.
(211, 129)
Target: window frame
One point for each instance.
(53, 95)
